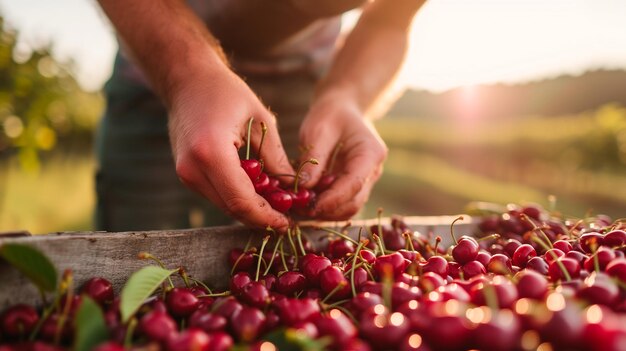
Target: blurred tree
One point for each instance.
(41, 104)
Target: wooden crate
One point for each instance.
(203, 252)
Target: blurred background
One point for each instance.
(499, 101)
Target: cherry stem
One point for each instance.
(333, 157)
(387, 283)
(282, 257)
(379, 214)
(358, 238)
(149, 256)
(437, 242)
(594, 249)
(297, 180)
(380, 244)
(248, 138)
(409, 241)
(460, 218)
(128, 338)
(258, 265)
(299, 237)
(536, 228)
(489, 237)
(358, 251)
(183, 274)
(334, 291)
(232, 270)
(269, 265)
(341, 235)
(554, 256)
(67, 283)
(263, 132)
(222, 294)
(293, 245)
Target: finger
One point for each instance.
(349, 208)
(194, 179)
(236, 191)
(361, 168)
(319, 144)
(272, 152)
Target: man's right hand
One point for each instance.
(208, 124)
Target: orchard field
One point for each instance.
(575, 163)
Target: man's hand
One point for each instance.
(208, 124)
(359, 162)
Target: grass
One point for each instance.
(59, 198)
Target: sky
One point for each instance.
(453, 42)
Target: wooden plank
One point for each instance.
(203, 252)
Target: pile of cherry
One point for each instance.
(529, 282)
(295, 199)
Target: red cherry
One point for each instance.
(312, 266)
(552, 254)
(531, 284)
(363, 301)
(256, 294)
(522, 254)
(291, 283)
(293, 311)
(465, 250)
(157, 326)
(226, 306)
(109, 346)
(302, 199)
(330, 279)
(261, 183)
(504, 292)
(473, 268)
(499, 264)
(430, 281)
(599, 289)
(181, 302)
(220, 341)
(247, 324)
(483, 257)
(501, 331)
(18, 321)
(510, 246)
(604, 257)
(617, 269)
(252, 168)
(383, 329)
(339, 248)
(190, 339)
(238, 282)
(242, 261)
(589, 240)
(401, 293)
(538, 264)
(572, 266)
(207, 321)
(337, 326)
(99, 289)
(395, 261)
(614, 238)
(562, 245)
(436, 264)
(279, 199)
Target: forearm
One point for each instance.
(167, 40)
(371, 55)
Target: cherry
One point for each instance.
(181, 302)
(293, 311)
(312, 266)
(430, 281)
(614, 238)
(291, 283)
(279, 199)
(483, 257)
(473, 268)
(489, 224)
(577, 255)
(499, 264)
(603, 255)
(207, 321)
(220, 341)
(454, 269)
(447, 332)
(538, 264)
(226, 306)
(401, 293)
(247, 324)
(252, 168)
(465, 251)
(238, 282)
(255, 294)
(562, 245)
(617, 269)
(522, 254)
(436, 264)
(330, 280)
(99, 289)
(261, 183)
(502, 290)
(598, 288)
(451, 291)
(302, 199)
(241, 261)
(363, 301)
(531, 284)
(571, 266)
(510, 246)
(50, 328)
(395, 261)
(589, 242)
(368, 256)
(498, 330)
(383, 329)
(336, 325)
(339, 248)
(190, 339)
(18, 321)
(157, 326)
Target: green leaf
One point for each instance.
(32, 263)
(139, 287)
(91, 330)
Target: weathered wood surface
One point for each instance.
(203, 252)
